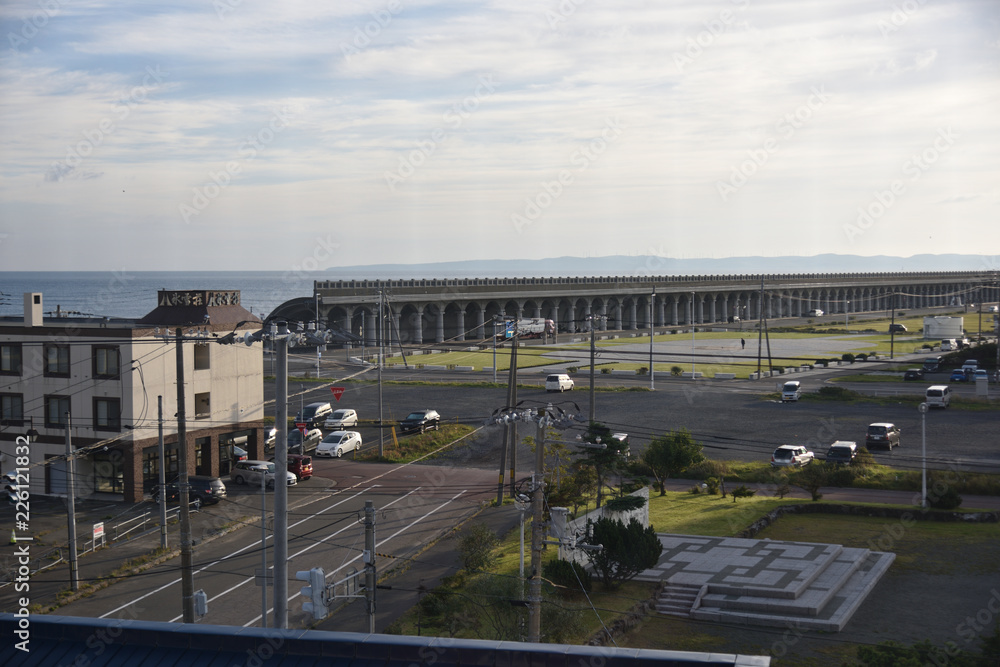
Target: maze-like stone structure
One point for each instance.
(761, 582)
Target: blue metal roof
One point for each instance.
(67, 641)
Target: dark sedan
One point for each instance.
(421, 420)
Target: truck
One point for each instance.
(535, 327)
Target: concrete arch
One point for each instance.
(475, 319)
(454, 322)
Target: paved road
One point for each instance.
(415, 506)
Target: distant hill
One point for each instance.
(624, 265)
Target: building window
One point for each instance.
(107, 414)
(151, 466)
(203, 405)
(56, 408)
(11, 409)
(57, 360)
(10, 359)
(108, 474)
(106, 361)
(201, 357)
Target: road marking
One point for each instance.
(377, 544)
(235, 553)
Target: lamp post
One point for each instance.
(847, 315)
(923, 455)
(652, 332)
(692, 336)
(31, 435)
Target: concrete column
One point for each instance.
(538, 311)
(418, 325)
(711, 310)
(392, 336)
(461, 325)
(480, 321)
(588, 311)
(554, 316)
(604, 317)
(673, 312)
(632, 324)
(439, 334)
(699, 309)
(370, 328)
(346, 323)
(571, 325)
(727, 313)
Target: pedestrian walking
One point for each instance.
(743, 343)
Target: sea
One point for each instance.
(132, 294)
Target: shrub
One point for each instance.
(837, 393)
(712, 484)
(606, 370)
(848, 357)
(476, 548)
(708, 468)
(948, 500)
(625, 504)
(743, 492)
(572, 369)
(863, 460)
(695, 489)
(676, 371)
(778, 369)
(642, 370)
(861, 357)
(821, 362)
(564, 573)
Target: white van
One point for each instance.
(559, 382)
(792, 391)
(938, 396)
(949, 345)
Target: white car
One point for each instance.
(792, 391)
(339, 443)
(249, 472)
(559, 382)
(294, 440)
(341, 419)
(816, 312)
(791, 456)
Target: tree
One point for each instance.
(606, 457)
(743, 492)
(626, 550)
(811, 478)
(670, 455)
(476, 548)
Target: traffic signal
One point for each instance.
(11, 487)
(315, 593)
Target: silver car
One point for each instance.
(250, 472)
(791, 456)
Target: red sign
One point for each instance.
(337, 392)
(302, 426)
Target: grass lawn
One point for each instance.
(405, 448)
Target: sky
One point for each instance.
(243, 134)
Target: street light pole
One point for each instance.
(652, 373)
(535, 594)
(692, 335)
(923, 455)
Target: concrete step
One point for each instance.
(678, 599)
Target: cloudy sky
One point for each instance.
(244, 134)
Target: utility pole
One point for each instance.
(513, 425)
(593, 359)
(760, 324)
(263, 550)
(381, 359)
(162, 491)
(892, 329)
(652, 373)
(74, 572)
(692, 336)
(280, 483)
(187, 573)
(370, 563)
(537, 535)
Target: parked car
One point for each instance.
(299, 444)
(842, 452)
(993, 309)
(314, 413)
(949, 345)
(913, 374)
(970, 366)
(250, 472)
(559, 382)
(202, 490)
(792, 391)
(338, 443)
(932, 364)
(792, 456)
(239, 454)
(957, 375)
(897, 328)
(980, 374)
(882, 434)
(938, 396)
(341, 419)
(420, 420)
(815, 312)
(299, 464)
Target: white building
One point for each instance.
(106, 375)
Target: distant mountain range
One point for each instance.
(641, 265)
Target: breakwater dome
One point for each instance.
(422, 311)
